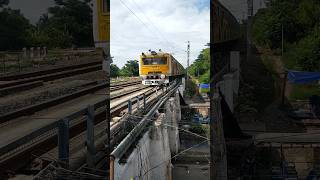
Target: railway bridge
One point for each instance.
(64, 133)
(227, 50)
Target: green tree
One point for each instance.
(14, 30)
(131, 68)
(114, 70)
(66, 24)
(300, 22)
(267, 24)
(200, 68)
(306, 52)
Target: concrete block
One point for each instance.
(228, 90)
(235, 65)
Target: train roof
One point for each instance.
(153, 53)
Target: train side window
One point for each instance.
(105, 6)
(163, 61)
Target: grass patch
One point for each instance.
(201, 129)
(303, 92)
(269, 64)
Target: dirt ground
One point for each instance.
(260, 111)
(263, 86)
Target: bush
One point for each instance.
(191, 88)
(305, 55)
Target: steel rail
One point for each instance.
(54, 76)
(43, 105)
(47, 71)
(41, 131)
(21, 87)
(131, 137)
(58, 100)
(100, 136)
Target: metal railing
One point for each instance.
(124, 145)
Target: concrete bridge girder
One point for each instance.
(155, 147)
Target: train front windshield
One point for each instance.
(154, 61)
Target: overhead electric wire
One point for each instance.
(204, 142)
(275, 137)
(165, 124)
(132, 12)
(151, 22)
(176, 48)
(188, 149)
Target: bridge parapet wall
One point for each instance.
(151, 157)
(151, 150)
(229, 85)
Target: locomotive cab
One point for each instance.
(159, 68)
(154, 68)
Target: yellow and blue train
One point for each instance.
(101, 29)
(156, 68)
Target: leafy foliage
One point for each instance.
(191, 88)
(13, 29)
(306, 53)
(131, 68)
(200, 68)
(300, 22)
(66, 24)
(114, 70)
(70, 19)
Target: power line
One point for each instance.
(132, 12)
(165, 124)
(151, 22)
(174, 156)
(174, 47)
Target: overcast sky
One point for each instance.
(140, 25)
(174, 22)
(32, 9)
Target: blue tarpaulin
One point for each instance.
(301, 77)
(204, 86)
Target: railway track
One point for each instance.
(22, 146)
(14, 83)
(99, 130)
(119, 129)
(61, 99)
(47, 71)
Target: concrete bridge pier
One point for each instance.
(228, 90)
(151, 156)
(31, 52)
(235, 67)
(173, 116)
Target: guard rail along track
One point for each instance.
(44, 137)
(124, 145)
(117, 132)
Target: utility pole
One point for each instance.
(188, 59)
(281, 40)
(213, 72)
(250, 14)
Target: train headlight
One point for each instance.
(143, 76)
(162, 76)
